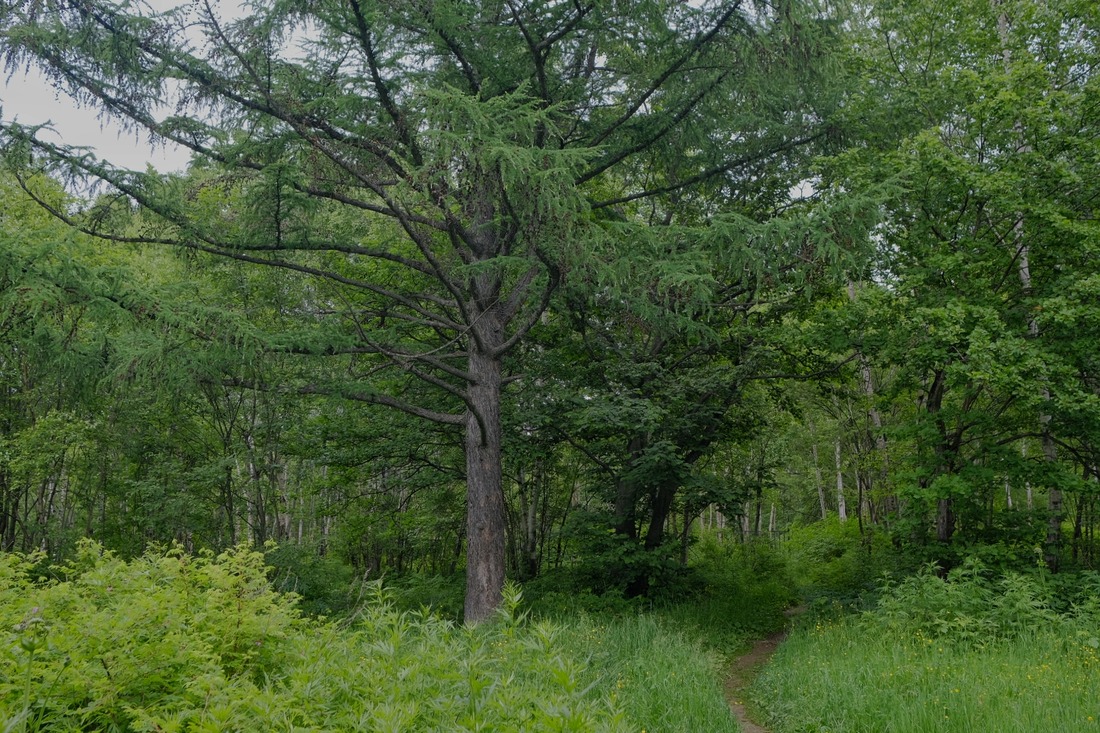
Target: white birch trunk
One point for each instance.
(841, 506)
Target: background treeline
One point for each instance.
(887, 320)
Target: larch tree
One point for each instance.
(433, 168)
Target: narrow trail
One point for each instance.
(745, 667)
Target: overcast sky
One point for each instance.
(28, 98)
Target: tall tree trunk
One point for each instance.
(945, 520)
(817, 474)
(227, 502)
(662, 507)
(626, 496)
(655, 534)
(485, 516)
(756, 526)
(528, 491)
(867, 382)
(862, 494)
(685, 536)
(1078, 517)
(841, 506)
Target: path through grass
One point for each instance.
(973, 653)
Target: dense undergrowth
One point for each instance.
(172, 642)
(974, 651)
(169, 642)
(662, 657)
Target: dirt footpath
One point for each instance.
(744, 669)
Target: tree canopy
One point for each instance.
(528, 286)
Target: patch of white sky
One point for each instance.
(28, 97)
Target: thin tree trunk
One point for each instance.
(867, 383)
(626, 496)
(841, 506)
(685, 537)
(818, 480)
(227, 504)
(1078, 518)
(756, 519)
(945, 520)
(527, 562)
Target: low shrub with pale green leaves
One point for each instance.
(969, 605)
(170, 642)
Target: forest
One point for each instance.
(532, 365)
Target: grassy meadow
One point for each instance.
(972, 653)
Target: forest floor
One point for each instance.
(745, 667)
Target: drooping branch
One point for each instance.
(373, 398)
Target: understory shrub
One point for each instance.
(744, 588)
(444, 595)
(968, 605)
(170, 642)
(833, 560)
(324, 585)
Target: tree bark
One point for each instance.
(662, 506)
(841, 506)
(817, 474)
(945, 520)
(626, 496)
(485, 517)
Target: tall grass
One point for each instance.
(171, 642)
(663, 681)
(665, 658)
(967, 655)
(840, 678)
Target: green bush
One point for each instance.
(169, 642)
(324, 585)
(832, 560)
(974, 605)
(560, 594)
(114, 643)
(444, 595)
(744, 589)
